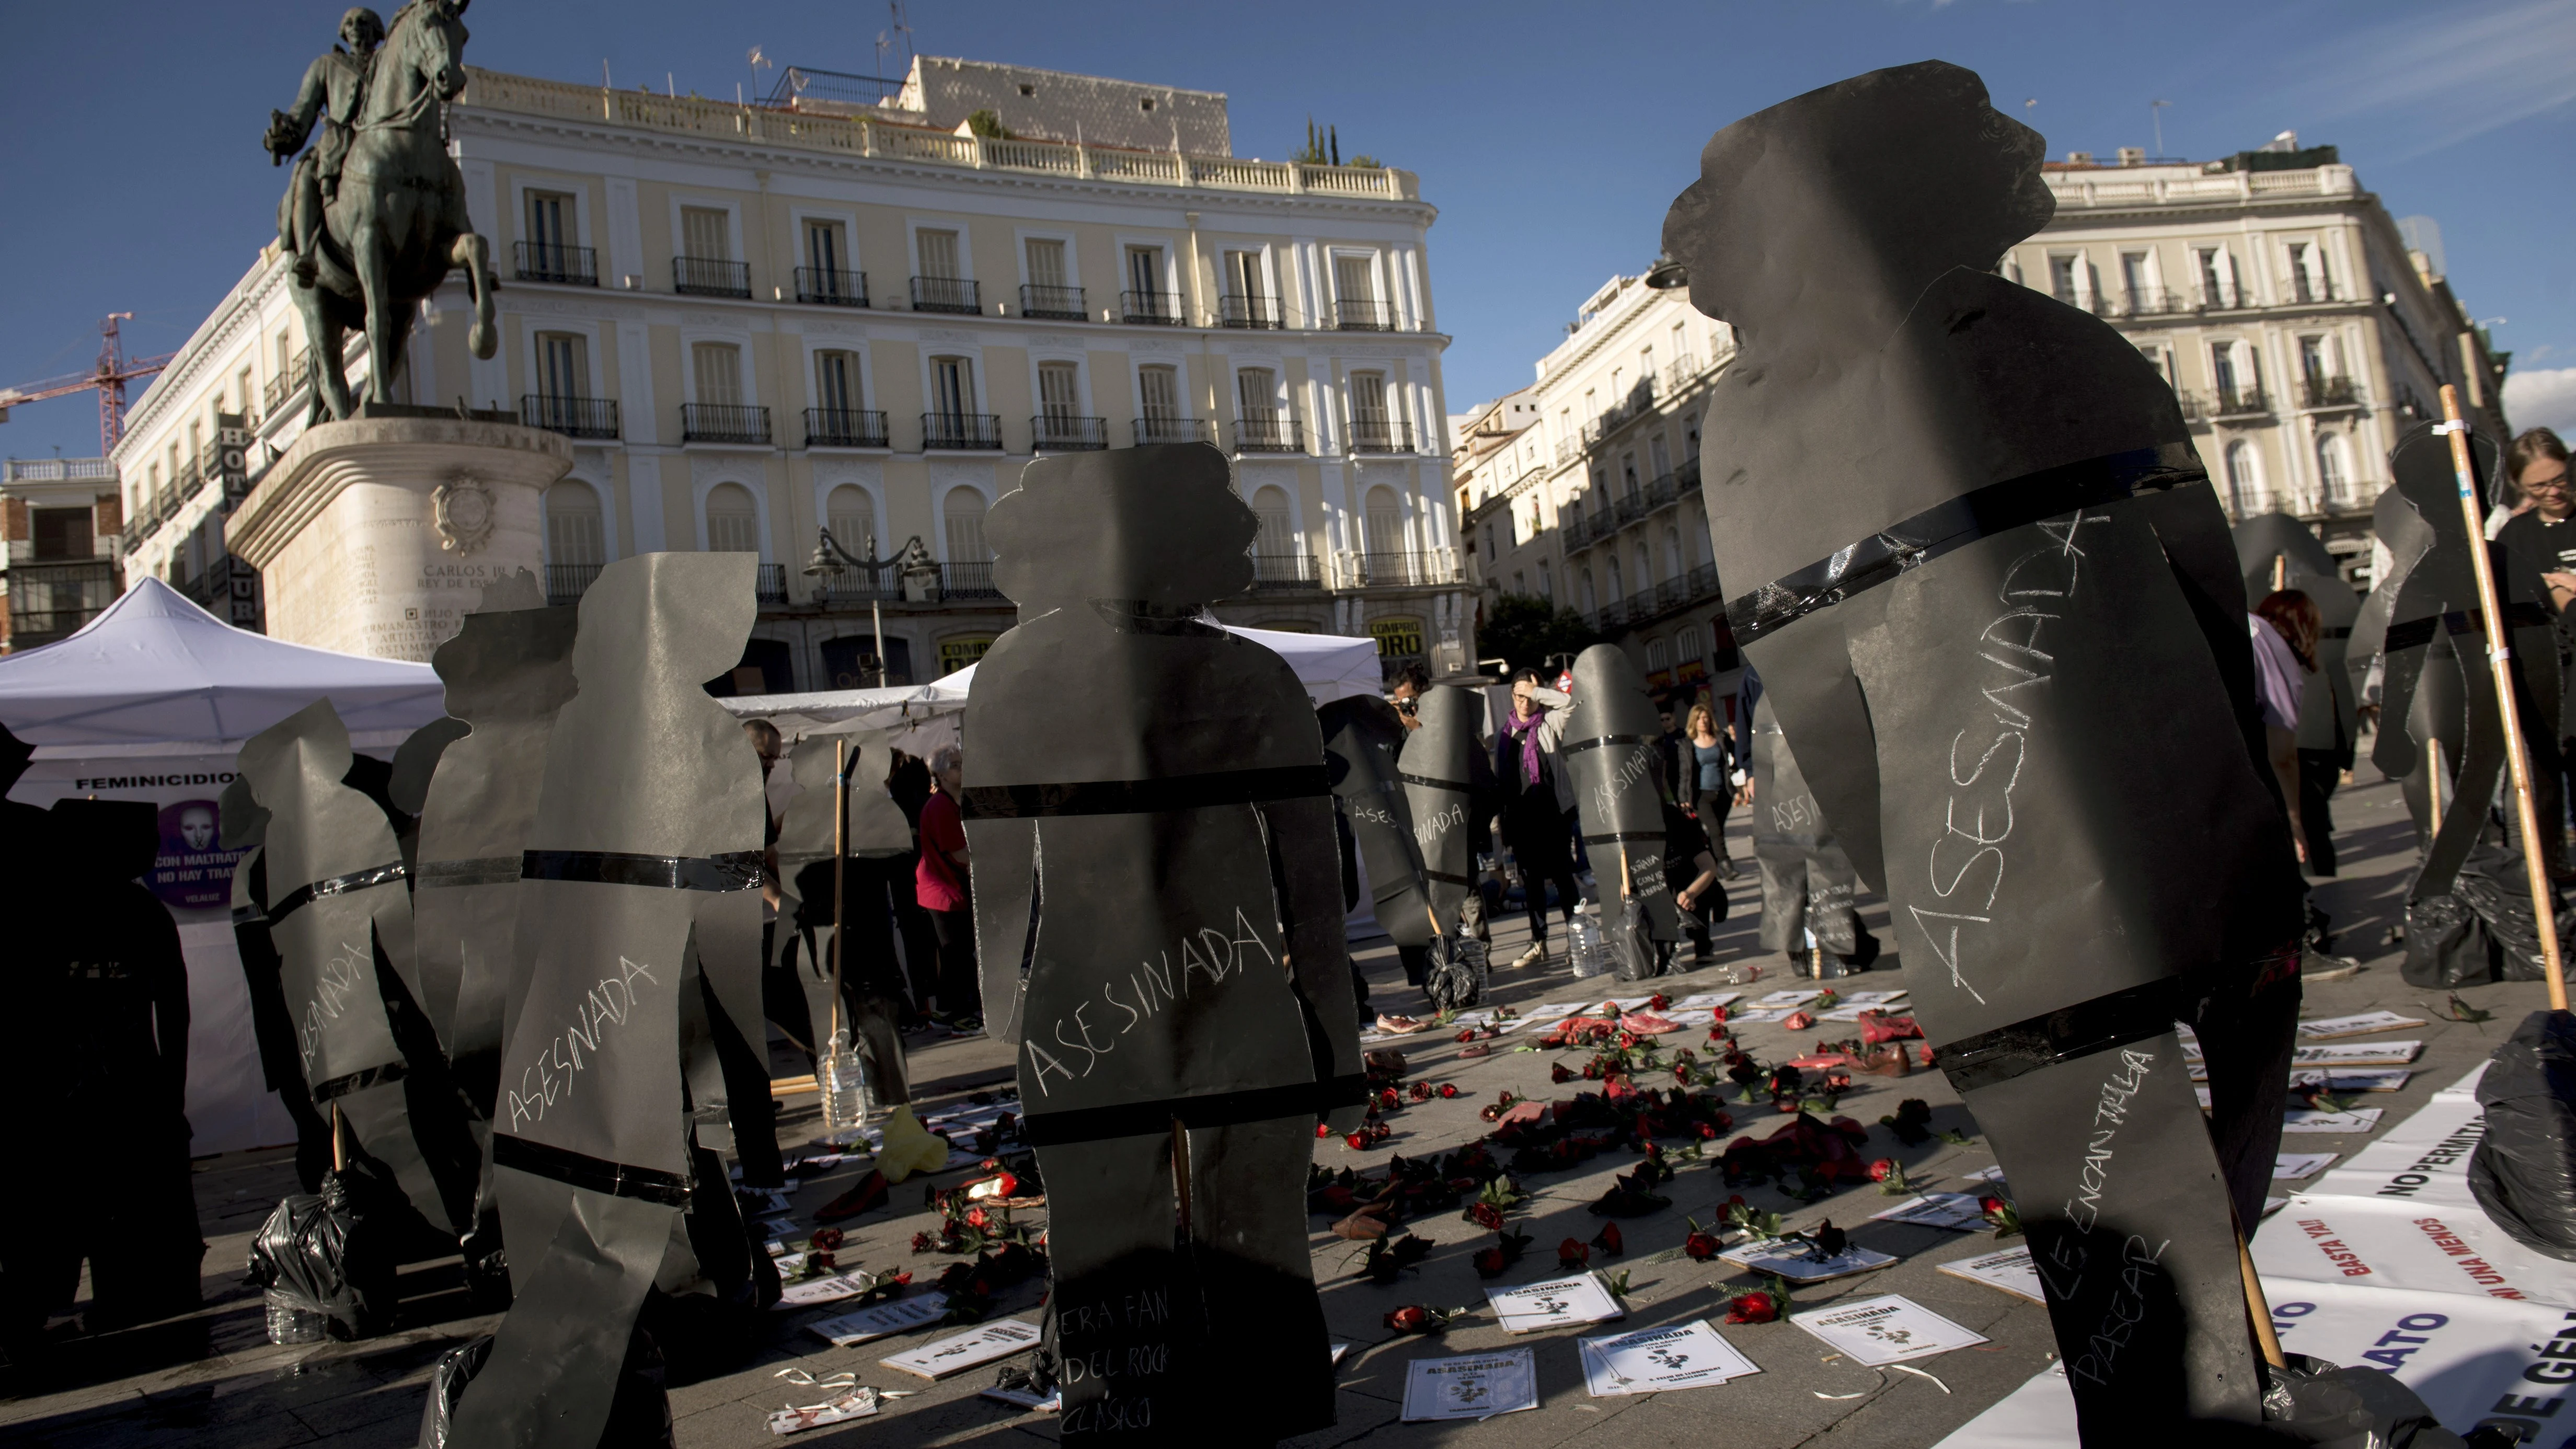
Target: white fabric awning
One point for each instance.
(154, 674)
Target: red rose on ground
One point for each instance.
(1752, 1308)
(1798, 1021)
(1658, 1002)
(1323, 1129)
(1881, 1169)
(1485, 1214)
(1720, 1013)
(1571, 1254)
(826, 1239)
(923, 1243)
(1990, 1204)
(1447, 1090)
(1609, 1240)
(978, 1218)
(1421, 1092)
(1490, 1263)
(1467, 1035)
(1356, 1141)
(1409, 1319)
(1700, 1246)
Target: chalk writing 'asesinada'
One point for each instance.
(549, 1078)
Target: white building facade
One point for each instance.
(757, 323)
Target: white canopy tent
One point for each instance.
(151, 701)
(1331, 666)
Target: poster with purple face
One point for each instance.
(193, 870)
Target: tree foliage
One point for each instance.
(1529, 631)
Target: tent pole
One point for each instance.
(2500, 658)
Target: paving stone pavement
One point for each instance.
(212, 1382)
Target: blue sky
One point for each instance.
(1551, 137)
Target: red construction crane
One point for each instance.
(113, 372)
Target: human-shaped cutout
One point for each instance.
(1362, 738)
(877, 841)
(639, 944)
(1974, 547)
(1809, 890)
(1609, 747)
(1183, 995)
(340, 918)
(2437, 688)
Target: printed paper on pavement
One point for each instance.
(1556, 1303)
(2010, 1270)
(1684, 1356)
(942, 1357)
(2292, 1166)
(1796, 1263)
(1475, 1386)
(1954, 1210)
(1886, 1330)
(2358, 1119)
(2363, 1025)
(880, 1321)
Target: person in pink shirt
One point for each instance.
(940, 883)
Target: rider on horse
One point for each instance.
(336, 83)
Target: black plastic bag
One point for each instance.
(318, 1254)
(456, 1368)
(2315, 1402)
(638, 1418)
(2446, 944)
(2524, 1168)
(1455, 979)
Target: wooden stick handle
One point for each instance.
(339, 1154)
(2500, 658)
(840, 875)
(2433, 782)
(2259, 1309)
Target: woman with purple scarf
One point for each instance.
(1537, 803)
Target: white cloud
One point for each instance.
(2542, 398)
(2450, 75)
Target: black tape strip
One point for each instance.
(1144, 797)
(1307, 1100)
(338, 885)
(2080, 1030)
(1574, 747)
(1979, 513)
(733, 871)
(1431, 784)
(484, 870)
(360, 1081)
(1446, 878)
(2339, 631)
(1623, 837)
(562, 1164)
(2461, 621)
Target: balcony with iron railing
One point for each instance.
(1363, 315)
(1630, 507)
(1055, 304)
(968, 581)
(1160, 309)
(190, 482)
(1701, 582)
(1566, 449)
(946, 294)
(1406, 570)
(2223, 297)
(566, 583)
(710, 277)
(1381, 435)
(1154, 430)
(2195, 408)
(1679, 371)
(769, 586)
(1065, 433)
(1258, 313)
(1278, 571)
(2331, 392)
(273, 395)
(843, 585)
(845, 428)
(1661, 493)
(574, 417)
(1269, 433)
(554, 262)
(2305, 289)
(1571, 523)
(723, 423)
(829, 287)
(2237, 402)
(2146, 302)
(961, 432)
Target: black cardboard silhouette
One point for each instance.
(340, 919)
(1807, 881)
(1362, 737)
(1977, 548)
(1183, 997)
(2326, 719)
(639, 944)
(1448, 782)
(1608, 748)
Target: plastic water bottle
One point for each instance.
(1585, 948)
(290, 1323)
(843, 1077)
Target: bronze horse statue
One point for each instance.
(397, 222)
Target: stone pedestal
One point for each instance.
(378, 534)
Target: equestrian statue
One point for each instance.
(375, 216)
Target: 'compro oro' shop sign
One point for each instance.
(956, 654)
(1398, 637)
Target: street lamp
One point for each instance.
(830, 555)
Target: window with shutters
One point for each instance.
(716, 369)
(851, 514)
(1368, 397)
(1046, 263)
(964, 516)
(938, 253)
(733, 520)
(563, 365)
(1546, 582)
(1059, 392)
(1256, 394)
(1384, 533)
(1159, 389)
(952, 387)
(837, 387)
(706, 233)
(1278, 519)
(2244, 479)
(1355, 279)
(574, 536)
